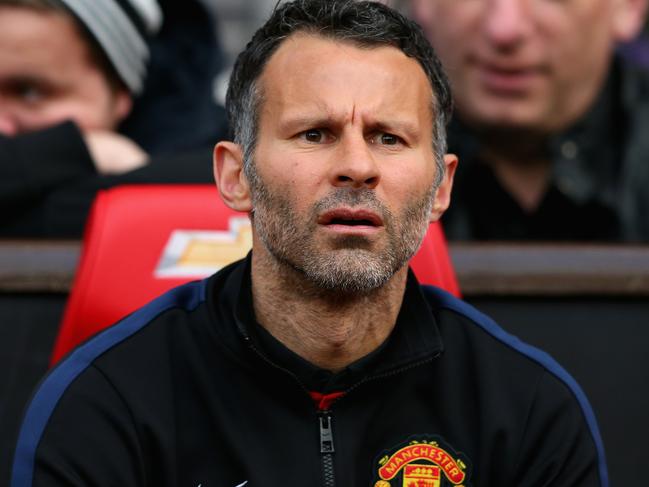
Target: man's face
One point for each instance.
(344, 167)
(536, 64)
(47, 75)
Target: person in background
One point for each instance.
(176, 111)
(550, 121)
(78, 112)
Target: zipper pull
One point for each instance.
(326, 433)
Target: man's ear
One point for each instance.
(230, 178)
(443, 195)
(628, 18)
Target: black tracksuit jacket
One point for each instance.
(189, 391)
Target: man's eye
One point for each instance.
(32, 95)
(313, 135)
(29, 93)
(385, 138)
(389, 139)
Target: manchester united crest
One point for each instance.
(422, 463)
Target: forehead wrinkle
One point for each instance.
(330, 108)
(319, 113)
(406, 121)
(301, 102)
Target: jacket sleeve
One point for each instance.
(52, 190)
(64, 210)
(82, 436)
(561, 445)
(33, 164)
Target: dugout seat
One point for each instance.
(142, 240)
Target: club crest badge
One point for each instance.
(422, 462)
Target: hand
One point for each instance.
(113, 153)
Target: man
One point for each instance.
(70, 73)
(318, 360)
(550, 123)
(52, 71)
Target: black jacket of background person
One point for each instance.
(599, 179)
(190, 391)
(48, 181)
(176, 110)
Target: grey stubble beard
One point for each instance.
(350, 266)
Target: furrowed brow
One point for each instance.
(293, 123)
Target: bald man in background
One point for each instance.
(550, 122)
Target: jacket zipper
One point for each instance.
(325, 417)
(325, 421)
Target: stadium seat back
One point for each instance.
(142, 240)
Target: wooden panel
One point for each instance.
(551, 269)
(37, 265)
(484, 269)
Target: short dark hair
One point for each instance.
(97, 55)
(364, 23)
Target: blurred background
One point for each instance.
(586, 304)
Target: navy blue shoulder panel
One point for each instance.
(446, 300)
(187, 296)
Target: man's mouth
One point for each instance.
(512, 79)
(350, 218)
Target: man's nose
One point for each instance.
(507, 22)
(354, 164)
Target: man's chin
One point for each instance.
(349, 271)
(506, 115)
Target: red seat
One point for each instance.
(141, 240)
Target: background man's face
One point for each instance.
(532, 63)
(47, 75)
(344, 161)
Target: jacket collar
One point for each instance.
(414, 339)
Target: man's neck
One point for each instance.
(331, 330)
